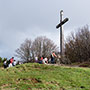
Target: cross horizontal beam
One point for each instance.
(60, 24)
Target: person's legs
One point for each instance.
(52, 60)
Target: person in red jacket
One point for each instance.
(41, 59)
(12, 60)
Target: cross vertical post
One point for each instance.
(60, 25)
(61, 35)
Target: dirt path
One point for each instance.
(64, 65)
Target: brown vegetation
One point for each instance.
(77, 46)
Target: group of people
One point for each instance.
(45, 60)
(42, 60)
(9, 63)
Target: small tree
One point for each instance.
(42, 46)
(0, 59)
(24, 52)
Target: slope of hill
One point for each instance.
(44, 77)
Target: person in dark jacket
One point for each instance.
(53, 55)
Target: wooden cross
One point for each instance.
(61, 32)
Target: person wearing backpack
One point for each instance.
(53, 55)
(5, 64)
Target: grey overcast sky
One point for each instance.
(21, 19)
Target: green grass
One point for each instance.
(44, 77)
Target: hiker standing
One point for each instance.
(53, 55)
(11, 62)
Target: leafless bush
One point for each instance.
(41, 46)
(77, 46)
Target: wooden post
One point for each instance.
(61, 33)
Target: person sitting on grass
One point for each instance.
(45, 61)
(41, 62)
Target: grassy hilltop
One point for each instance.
(44, 77)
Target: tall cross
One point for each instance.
(61, 32)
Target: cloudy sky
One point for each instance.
(21, 19)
